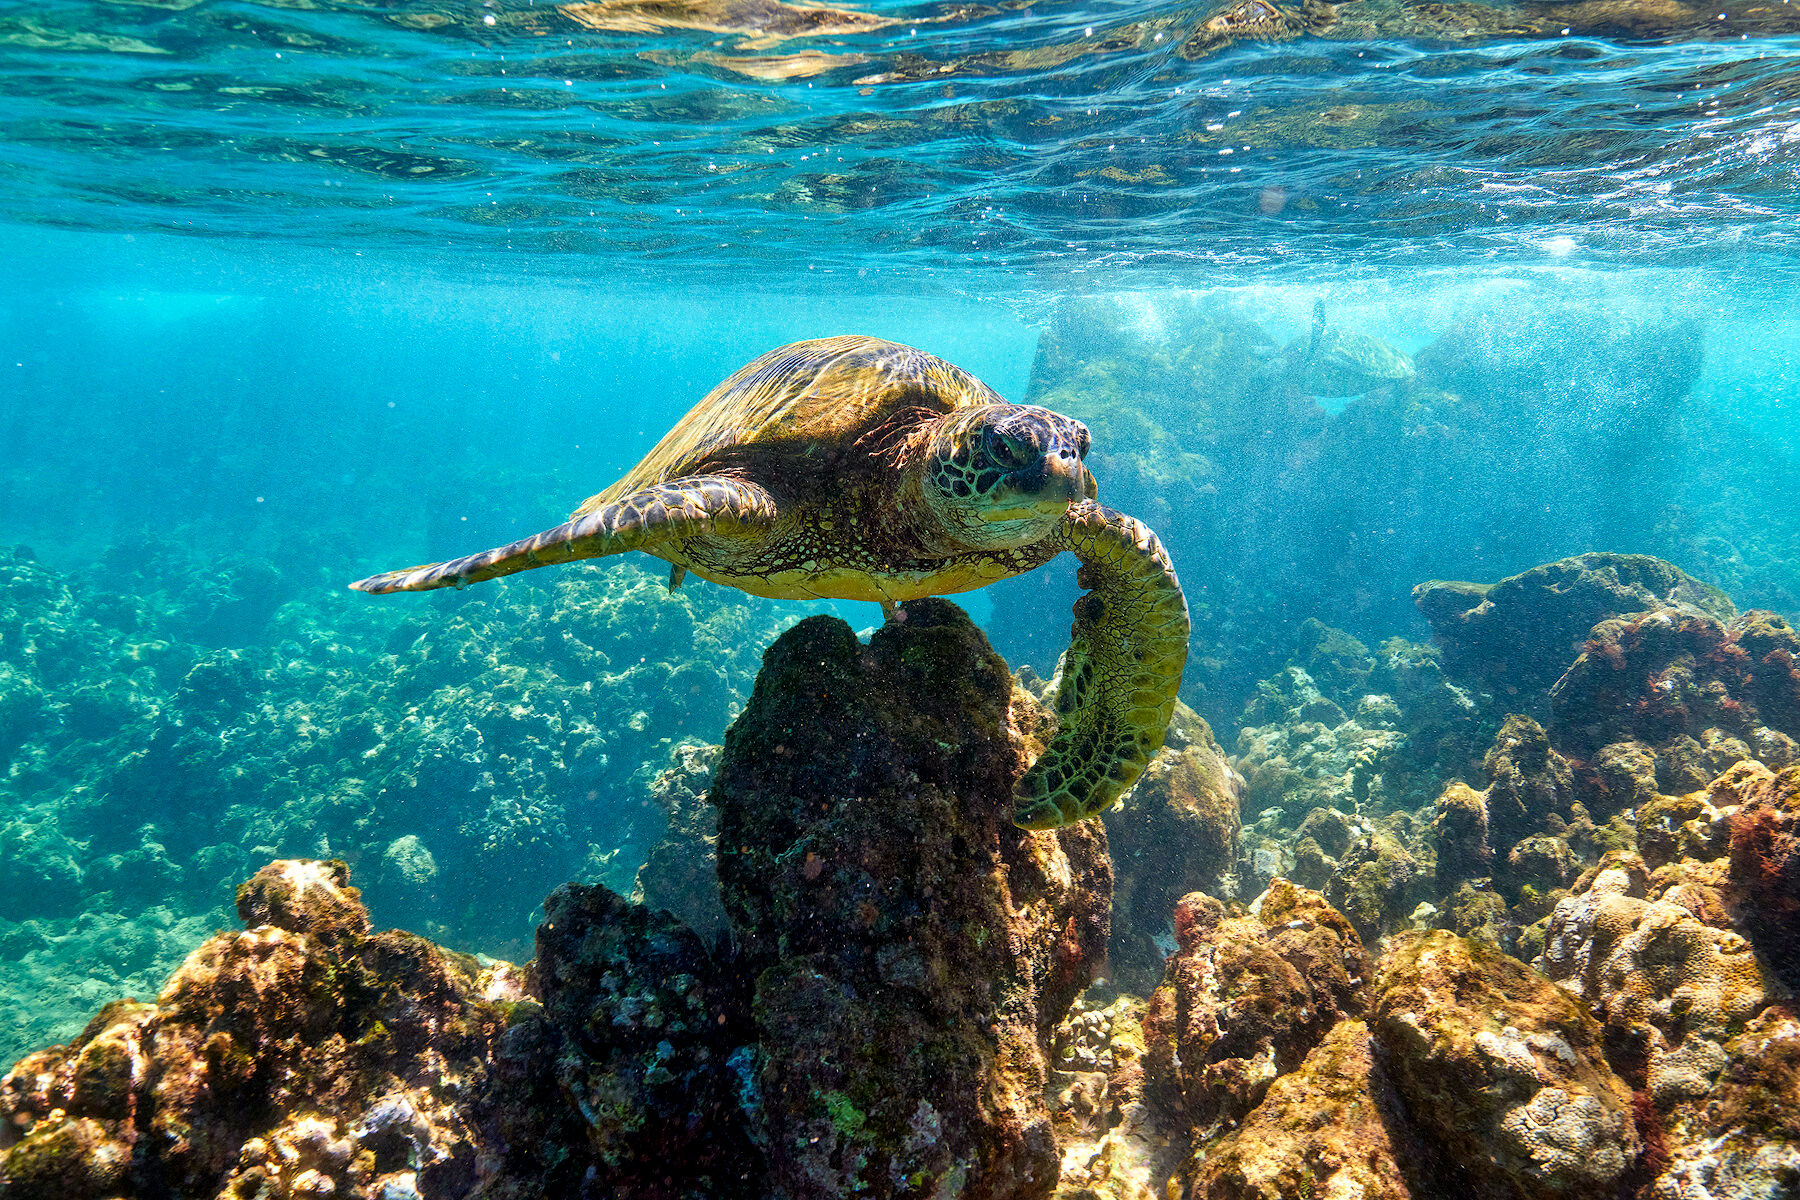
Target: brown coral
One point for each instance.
(1669, 989)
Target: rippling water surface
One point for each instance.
(1052, 138)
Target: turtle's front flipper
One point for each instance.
(680, 508)
(1120, 674)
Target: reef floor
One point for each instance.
(1514, 915)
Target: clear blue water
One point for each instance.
(292, 293)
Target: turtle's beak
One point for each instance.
(1060, 477)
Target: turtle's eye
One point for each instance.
(1006, 451)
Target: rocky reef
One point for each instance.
(1574, 980)
(878, 1024)
(302, 1056)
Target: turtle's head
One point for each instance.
(1003, 475)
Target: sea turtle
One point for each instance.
(858, 469)
(1339, 362)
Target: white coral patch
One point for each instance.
(304, 875)
(1509, 1054)
(1687, 1070)
(1567, 1136)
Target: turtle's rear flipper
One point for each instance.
(679, 508)
(1120, 674)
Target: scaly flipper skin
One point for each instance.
(679, 508)
(1120, 674)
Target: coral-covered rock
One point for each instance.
(1626, 774)
(1298, 750)
(1479, 913)
(1668, 989)
(302, 896)
(1116, 1144)
(1765, 866)
(645, 1026)
(1318, 942)
(1521, 634)
(1530, 783)
(681, 872)
(304, 1056)
(1698, 693)
(1503, 1070)
(1688, 828)
(1459, 828)
(896, 925)
(1175, 832)
(164, 732)
(1320, 1131)
(1323, 839)
(1244, 1000)
(1742, 1138)
(1377, 884)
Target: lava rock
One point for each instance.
(914, 946)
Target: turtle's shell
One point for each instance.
(806, 397)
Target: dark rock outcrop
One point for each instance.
(1519, 635)
(910, 950)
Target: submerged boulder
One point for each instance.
(1175, 832)
(1321, 1131)
(632, 1054)
(1244, 999)
(1521, 634)
(909, 950)
(1503, 1071)
(303, 1056)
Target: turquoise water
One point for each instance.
(294, 293)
